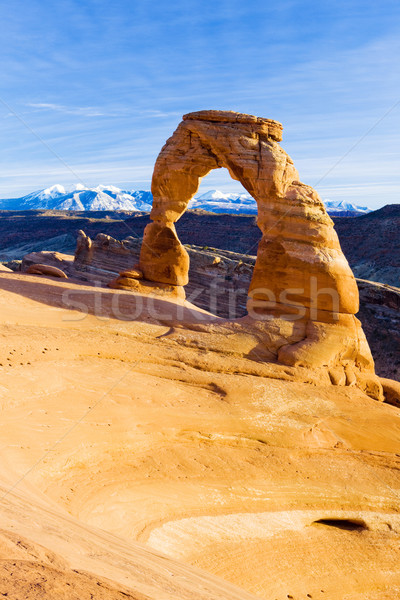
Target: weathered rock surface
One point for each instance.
(218, 283)
(104, 257)
(300, 273)
(391, 389)
(48, 270)
(162, 257)
(13, 265)
(129, 282)
(55, 261)
(218, 279)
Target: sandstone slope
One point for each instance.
(157, 432)
(219, 281)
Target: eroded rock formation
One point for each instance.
(219, 281)
(300, 276)
(39, 269)
(104, 256)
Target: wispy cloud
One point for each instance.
(82, 111)
(92, 111)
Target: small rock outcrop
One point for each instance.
(47, 270)
(102, 257)
(40, 261)
(391, 391)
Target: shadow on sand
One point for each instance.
(104, 303)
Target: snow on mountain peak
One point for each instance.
(53, 191)
(107, 188)
(213, 195)
(341, 206)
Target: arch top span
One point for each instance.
(271, 128)
(247, 146)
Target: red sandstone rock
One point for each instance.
(162, 257)
(391, 390)
(46, 270)
(300, 275)
(132, 284)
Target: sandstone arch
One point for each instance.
(298, 236)
(301, 274)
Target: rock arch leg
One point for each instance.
(164, 262)
(182, 163)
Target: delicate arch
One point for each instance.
(299, 251)
(300, 275)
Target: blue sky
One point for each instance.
(90, 90)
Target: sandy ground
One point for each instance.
(125, 441)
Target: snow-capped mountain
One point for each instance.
(102, 197)
(340, 207)
(218, 202)
(81, 198)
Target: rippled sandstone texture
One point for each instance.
(133, 425)
(302, 284)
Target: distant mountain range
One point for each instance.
(110, 198)
(218, 202)
(81, 198)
